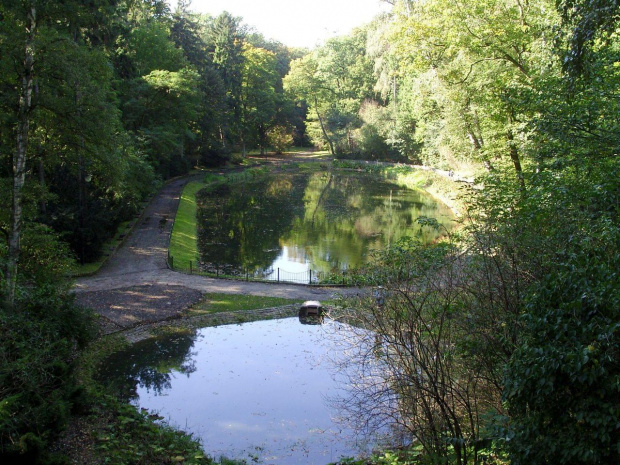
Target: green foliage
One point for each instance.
(40, 339)
(134, 437)
(433, 360)
(562, 382)
(406, 456)
(577, 115)
(46, 258)
(334, 81)
(280, 138)
(588, 23)
(531, 307)
(149, 48)
(130, 94)
(258, 94)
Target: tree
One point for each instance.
(479, 57)
(429, 360)
(29, 26)
(304, 83)
(280, 138)
(561, 384)
(162, 107)
(587, 22)
(258, 97)
(27, 75)
(225, 46)
(78, 140)
(159, 98)
(186, 32)
(335, 80)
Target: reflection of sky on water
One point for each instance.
(258, 389)
(292, 259)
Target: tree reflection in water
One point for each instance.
(149, 364)
(257, 387)
(330, 221)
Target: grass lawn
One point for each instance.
(214, 303)
(183, 248)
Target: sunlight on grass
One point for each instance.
(307, 153)
(215, 303)
(183, 248)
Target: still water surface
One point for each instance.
(323, 222)
(255, 390)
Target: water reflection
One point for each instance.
(256, 390)
(322, 221)
(149, 365)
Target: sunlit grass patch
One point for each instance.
(183, 248)
(215, 303)
(308, 153)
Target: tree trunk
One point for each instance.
(19, 159)
(42, 201)
(329, 141)
(473, 138)
(477, 142)
(262, 138)
(222, 136)
(514, 156)
(349, 140)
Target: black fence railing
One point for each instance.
(301, 277)
(278, 275)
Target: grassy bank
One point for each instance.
(216, 303)
(183, 239)
(111, 245)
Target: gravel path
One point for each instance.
(136, 287)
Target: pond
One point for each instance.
(256, 391)
(285, 226)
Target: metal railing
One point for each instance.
(278, 275)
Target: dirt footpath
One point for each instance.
(136, 287)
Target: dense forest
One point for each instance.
(104, 100)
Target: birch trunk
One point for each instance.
(19, 159)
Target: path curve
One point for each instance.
(135, 286)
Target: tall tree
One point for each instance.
(225, 44)
(27, 27)
(587, 21)
(476, 59)
(258, 94)
(304, 83)
(27, 16)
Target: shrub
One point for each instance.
(39, 340)
(563, 382)
(280, 138)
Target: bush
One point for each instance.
(563, 383)
(39, 341)
(280, 138)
